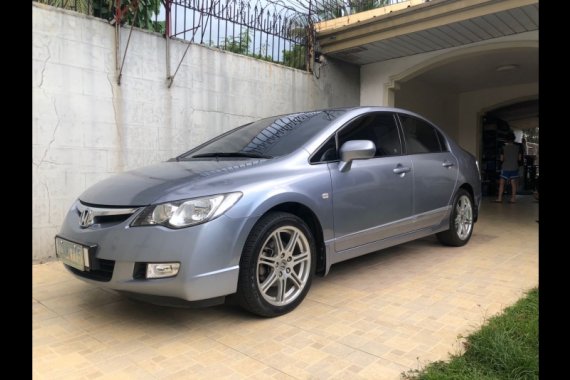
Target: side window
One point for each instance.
(420, 136)
(380, 128)
(328, 152)
(442, 141)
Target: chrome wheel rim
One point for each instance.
(463, 217)
(283, 266)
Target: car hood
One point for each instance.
(167, 181)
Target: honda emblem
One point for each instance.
(86, 218)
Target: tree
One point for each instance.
(242, 45)
(239, 45)
(81, 6)
(144, 10)
(295, 57)
(366, 5)
(330, 9)
(142, 13)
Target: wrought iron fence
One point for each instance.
(259, 29)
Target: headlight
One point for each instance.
(186, 213)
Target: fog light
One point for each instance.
(161, 270)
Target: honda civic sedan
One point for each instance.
(255, 213)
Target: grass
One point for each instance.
(506, 347)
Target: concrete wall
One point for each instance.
(86, 127)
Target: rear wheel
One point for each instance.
(460, 221)
(277, 265)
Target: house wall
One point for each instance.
(421, 98)
(85, 127)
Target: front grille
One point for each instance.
(112, 219)
(101, 270)
(102, 216)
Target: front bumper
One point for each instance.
(208, 253)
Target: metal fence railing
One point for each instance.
(259, 29)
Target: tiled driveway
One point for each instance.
(372, 317)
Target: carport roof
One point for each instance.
(415, 27)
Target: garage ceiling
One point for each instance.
(427, 27)
(496, 68)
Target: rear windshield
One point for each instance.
(270, 137)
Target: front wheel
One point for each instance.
(460, 221)
(277, 265)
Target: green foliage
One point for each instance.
(82, 6)
(147, 11)
(505, 348)
(295, 57)
(366, 5)
(239, 45)
(144, 10)
(242, 45)
(331, 9)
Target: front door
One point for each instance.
(373, 199)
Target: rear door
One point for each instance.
(435, 171)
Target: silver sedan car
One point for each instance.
(252, 215)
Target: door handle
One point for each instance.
(401, 169)
(447, 164)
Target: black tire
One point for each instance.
(274, 278)
(460, 221)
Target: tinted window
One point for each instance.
(327, 152)
(420, 136)
(275, 136)
(442, 142)
(380, 128)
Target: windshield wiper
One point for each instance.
(231, 154)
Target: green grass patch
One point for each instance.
(506, 347)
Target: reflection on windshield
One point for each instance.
(266, 138)
(279, 128)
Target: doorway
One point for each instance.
(521, 119)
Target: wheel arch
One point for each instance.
(309, 217)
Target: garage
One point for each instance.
(470, 66)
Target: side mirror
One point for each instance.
(355, 150)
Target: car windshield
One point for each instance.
(266, 138)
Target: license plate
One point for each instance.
(72, 254)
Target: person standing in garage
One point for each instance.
(511, 157)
